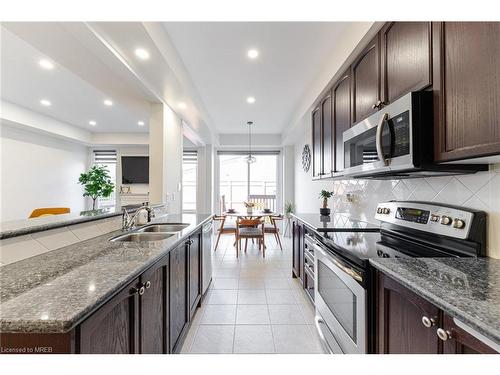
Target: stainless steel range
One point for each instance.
(344, 290)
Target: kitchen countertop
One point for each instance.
(468, 289)
(55, 291)
(9, 229)
(336, 222)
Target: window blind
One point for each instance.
(105, 156)
(190, 157)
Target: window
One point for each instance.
(108, 159)
(189, 174)
(240, 181)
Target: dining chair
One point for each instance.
(272, 228)
(250, 229)
(49, 211)
(224, 228)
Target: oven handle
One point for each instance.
(318, 321)
(378, 140)
(349, 271)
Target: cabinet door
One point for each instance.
(462, 342)
(341, 96)
(194, 272)
(327, 139)
(178, 294)
(466, 85)
(399, 318)
(316, 143)
(406, 58)
(295, 249)
(114, 328)
(366, 81)
(153, 307)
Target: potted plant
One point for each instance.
(97, 183)
(288, 209)
(249, 206)
(325, 194)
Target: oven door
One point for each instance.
(381, 142)
(341, 310)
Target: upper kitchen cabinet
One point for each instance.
(365, 73)
(327, 129)
(341, 97)
(406, 58)
(466, 89)
(317, 149)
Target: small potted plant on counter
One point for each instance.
(325, 194)
(97, 183)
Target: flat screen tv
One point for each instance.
(135, 169)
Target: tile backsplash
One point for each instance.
(479, 191)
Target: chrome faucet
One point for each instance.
(129, 222)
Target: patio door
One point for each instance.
(240, 181)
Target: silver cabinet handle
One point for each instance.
(148, 284)
(141, 290)
(443, 335)
(378, 140)
(428, 322)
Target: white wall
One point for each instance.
(38, 170)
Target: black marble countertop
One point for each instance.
(468, 289)
(55, 291)
(9, 229)
(336, 222)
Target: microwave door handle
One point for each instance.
(347, 270)
(378, 140)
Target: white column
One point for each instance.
(165, 157)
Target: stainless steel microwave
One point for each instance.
(397, 142)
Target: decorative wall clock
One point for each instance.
(306, 158)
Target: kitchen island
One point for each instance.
(55, 293)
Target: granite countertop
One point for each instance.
(336, 222)
(9, 229)
(468, 289)
(54, 291)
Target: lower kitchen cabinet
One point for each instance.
(195, 273)
(409, 324)
(178, 295)
(296, 248)
(114, 328)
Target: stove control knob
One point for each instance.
(386, 210)
(434, 217)
(379, 210)
(445, 220)
(458, 223)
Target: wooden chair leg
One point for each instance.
(279, 240)
(246, 243)
(263, 248)
(217, 243)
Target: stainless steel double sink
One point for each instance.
(152, 232)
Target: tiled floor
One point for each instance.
(253, 305)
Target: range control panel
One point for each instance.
(448, 221)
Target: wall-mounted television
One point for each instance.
(135, 169)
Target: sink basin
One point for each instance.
(171, 227)
(141, 237)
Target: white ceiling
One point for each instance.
(291, 55)
(84, 75)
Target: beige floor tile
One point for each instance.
(252, 314)
(223, 297)
(294, 339)
(251, 297)
(219, 314)
(225, 284)
(253, 339)
(251, 283)
(286, 314)
(277, 284)
(213, 339)
(280, 297)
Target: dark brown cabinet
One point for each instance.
(114, 328)
(409, 324)
(296, 248)
(178, 294)
(327, 139)
(405, 59)
(154, 309)
(317, 149)
(195, 276)
(399, 314)
(365, 73)
(341, 98)
(466, 58)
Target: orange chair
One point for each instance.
(250, 228)
(48, 211)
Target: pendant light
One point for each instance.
(250, 159)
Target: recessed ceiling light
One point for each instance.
(92, 122)
(140, 123)
(45, 102)
(46, 64)
(253, 53)
(251, 100)
(108, 102)
(142, 53)
(182, 105)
